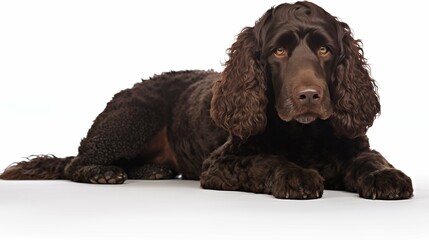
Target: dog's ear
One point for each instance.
(354, 92)
(239, 97)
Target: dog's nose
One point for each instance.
(308, 95)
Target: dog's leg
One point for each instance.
(373, 177)
(117, 135)
(151, 171)
(269, 174)
(262, 174)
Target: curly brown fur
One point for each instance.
(288, 117)
(354, 89)
(243, 84)
(37, 167)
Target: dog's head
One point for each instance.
(312, 65)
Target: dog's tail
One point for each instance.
(38, 167)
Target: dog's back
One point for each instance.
(145, 132)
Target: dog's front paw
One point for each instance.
(389, 184)
(297, 184)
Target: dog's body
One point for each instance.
(287, 117)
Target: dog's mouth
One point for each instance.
(305, 118)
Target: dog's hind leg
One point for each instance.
(157, 160)
(124, 131)
(151, 171)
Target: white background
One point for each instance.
(62, 61)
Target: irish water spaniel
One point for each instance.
(288, 116)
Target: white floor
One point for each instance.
(179, 209)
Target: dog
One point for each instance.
(288, 116)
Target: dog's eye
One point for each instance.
(323, 51)
(280, 52)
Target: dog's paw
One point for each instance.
(108, 175)
(388, 184)
(297, 184)
(151, 172)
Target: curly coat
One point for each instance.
(288, 116)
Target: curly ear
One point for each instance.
(354, 92)
(239, 99)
